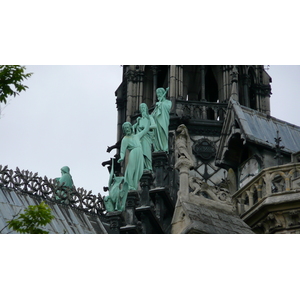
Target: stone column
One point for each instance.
(250, 196)
(154, 70)
(120, 108)
(246, 79)
(172, 91)
(226, 83)
(140, 76)
(268, 184)
(259, 192)
(183, 165)
(202, 70)
(180, 82)
(234, 82)
(266, 99)
(130, 92)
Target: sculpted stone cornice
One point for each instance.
(134, 75)
(277, 222)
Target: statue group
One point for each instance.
(149, 130)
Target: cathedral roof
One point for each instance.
(261, 128)
(79, 212)
(195, 216)
(67, 219)
(258, 128)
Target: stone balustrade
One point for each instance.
(201, 110)
(271, 181)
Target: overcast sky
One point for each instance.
(68, 117)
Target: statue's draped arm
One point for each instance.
(145, 130)
(124, 146)
(111, 173)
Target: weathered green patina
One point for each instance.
(132, 142)
(161, 115)
(65, 180)
(147, 139)
(118, 190)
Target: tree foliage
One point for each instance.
(11, 78)
(33, 217)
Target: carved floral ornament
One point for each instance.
(30, 183)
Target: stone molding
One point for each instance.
(270, 181)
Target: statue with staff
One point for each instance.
(161, 115)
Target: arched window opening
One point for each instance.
(148, 86)
(210, 114)
(211, 86)
(278, 184)
(255, 197)
(162, 77)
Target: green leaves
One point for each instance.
(11, 77)
(33, 217)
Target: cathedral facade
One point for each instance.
(226, 155)
(197, 151)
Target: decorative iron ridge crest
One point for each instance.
(50, 189)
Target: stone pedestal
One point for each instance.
(131, 203)
(114, 219)
(145, 184)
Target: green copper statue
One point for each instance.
(161, 115)
(147, 139)
(118, 190)
(66, 180)
(132, 142)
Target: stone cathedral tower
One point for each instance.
(200, 96)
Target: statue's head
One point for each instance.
(144, 109)
(127, 128)
(160, 92)
(65, 170)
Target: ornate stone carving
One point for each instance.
(183, 144)
(204, 149)
(199, 187)
(30, 183)
(184, 161)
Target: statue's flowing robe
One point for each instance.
(135, 166)
(161, 116)
(118, 191)
(66, 177)
(66, 180)
(146, 141)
